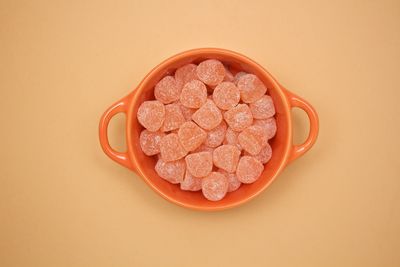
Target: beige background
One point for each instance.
(64, 203)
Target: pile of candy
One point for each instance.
(208, 128)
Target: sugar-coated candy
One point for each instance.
(171, 149)
(194, 94)
(150, 142)
(269, 126)
(199, 164)
(249, 142)
(233, 181)
(263, 108)
(214, 186)
(173, 118)
(191, 136)
(167, 90)
(185, 74)
(226, 95)
(237, 76)
(259, 132)
(228, 75)
(191, 183)
(211, 72)
(216, 136)
(231, 138)
(186, 112)
(172, 171)
(239, 117)
(226, 157)
(265, 154)
(251, 88)
(249, 169)
(253, 139)
(151, 115)
(204, 147)
(208, 116)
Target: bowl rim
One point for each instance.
(198, 52)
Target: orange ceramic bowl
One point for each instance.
(283, 149)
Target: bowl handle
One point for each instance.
(296, 101)
(120, 157)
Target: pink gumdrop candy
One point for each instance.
(249, 142)
(231, 138)
(251, 88)
(191, 183)
(194, 94)
(226, 157)
(185, 74)
(260, 134)
(263, 108)
(249, 169)
(237, 76)
(269, 126)
(173, 118)
(167, 90)
(208, 116)
(199, 164)
(265, 154)
(151, 115)
(253, 139)
(216, 136)
(239, 117)
(226, 95)
(215, 186)
(233, 181)
(150, 142)
(186, 112)
(172, 171)
(228, 75)
(191, 136)
(171, 149)
(211, 72)
(203, 148)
